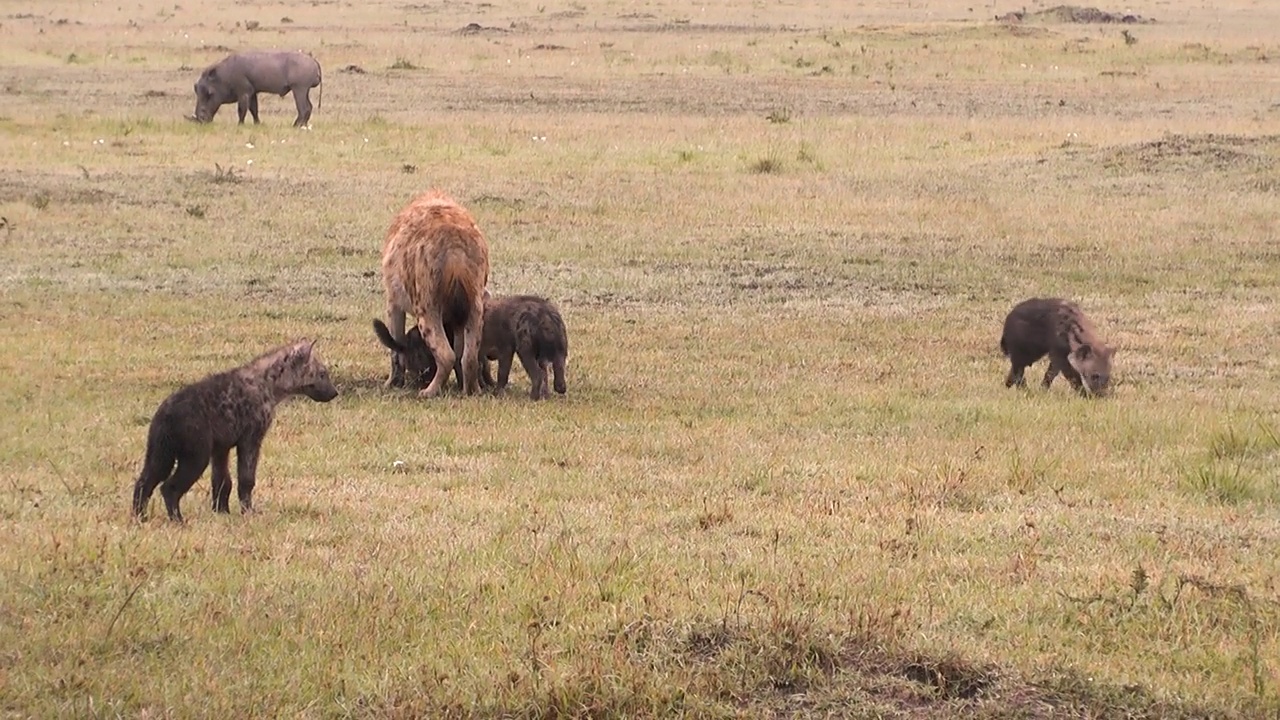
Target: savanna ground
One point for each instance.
(787, 479)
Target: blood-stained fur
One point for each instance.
(1057, 328)
(435, 265)
(203, 421)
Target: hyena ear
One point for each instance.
(301, 350)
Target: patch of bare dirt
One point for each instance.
(1196, 153)
(478, 29)
(1073, 14)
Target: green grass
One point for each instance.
(786, 480)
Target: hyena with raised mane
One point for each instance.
(435, 265)
(203, 421)
(1057, 328)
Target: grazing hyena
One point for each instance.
(435, 264)
(530, 327)
(1059, 329)
(233, 409)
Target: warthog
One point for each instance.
(238, 78)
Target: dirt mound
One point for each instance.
(1073, 14)
(1196, 153)
(478, 29)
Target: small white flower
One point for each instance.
(249, 145)
(250, 162)
(366, 139)
(397, 464)
(66, 143)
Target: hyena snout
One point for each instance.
(1094, 366)
(321, 391)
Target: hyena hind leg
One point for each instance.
(557, 367)
(1016, 376)
(537, 374)
(155, 471)
(190, 467)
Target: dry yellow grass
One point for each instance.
(786, 480)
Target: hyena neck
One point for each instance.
(270, 373)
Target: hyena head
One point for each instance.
(412, 354)
(302, 372)
(1093, 362)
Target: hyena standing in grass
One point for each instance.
(529, 327)
(435, 264)
(519, 325)
(1057, 328)
(201, 422)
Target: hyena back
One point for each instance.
(200, 424)
(531, 328)
(435, 264)
(1057, 328)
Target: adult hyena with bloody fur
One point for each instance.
(435, 265)
(203, 421)
(1057, 328)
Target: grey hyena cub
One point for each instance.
(1059, 329)
(203, 421)
(531, 328)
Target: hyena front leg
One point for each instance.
(247, 453)
(1051, 373)
(221, 488)
(504, 371)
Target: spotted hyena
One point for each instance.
(524, 326)
(203, 421)
(435, 265)
(1057, 328)
(532, 329)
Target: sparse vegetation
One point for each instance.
(787, 479)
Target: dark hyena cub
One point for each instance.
(232, 409)
(530, 327)
(413, 357)
(1059, 329)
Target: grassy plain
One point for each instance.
(786, 480)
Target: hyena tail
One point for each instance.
(460, 287)
(156, 468)
(384, 336)
(557, 365)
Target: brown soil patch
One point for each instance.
(1073, 14)
(1196, 153)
